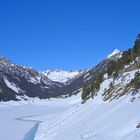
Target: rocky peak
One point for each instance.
(116, 54)
(60, 75)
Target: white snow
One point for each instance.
(116, 51)
(12, 86)
(60, 75)
(105, 76)
(95, 120)
(17, 119)
(35, 80)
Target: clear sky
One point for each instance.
(66, 34)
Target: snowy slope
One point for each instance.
(12, 86)
(60, 75)
(96, 120)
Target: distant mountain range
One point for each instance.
(61, 76)
(20, 82)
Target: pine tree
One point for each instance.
(86, 91)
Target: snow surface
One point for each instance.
(60, 75)
(12, 86)
(116, 51)
(68, 119)
(35, 80)
(19, 119)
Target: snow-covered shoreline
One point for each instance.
(30, 134)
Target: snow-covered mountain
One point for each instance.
(116, 54)
(20, 81)
(17, 80)
(61, 75)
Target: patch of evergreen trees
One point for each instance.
(90, 90)
(128, 56)
(136, 81)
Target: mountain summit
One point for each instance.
(116, 52)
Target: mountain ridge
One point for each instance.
(61, 76)
(29, 82)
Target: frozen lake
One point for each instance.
(20, 120)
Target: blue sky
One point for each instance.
(66, 34)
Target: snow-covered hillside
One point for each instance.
(60, 75)
(97, 120)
